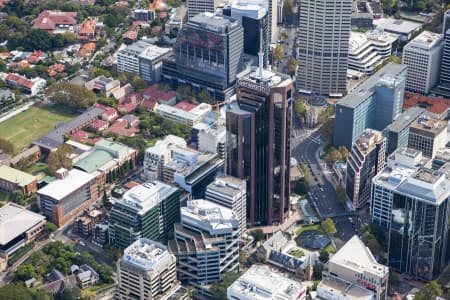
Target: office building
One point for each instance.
(148, 210)
(446, 23)
(261, 283)
(406, 29)
(428, 135)
(418, 233)
(258, 143)
(69, 195)
(397, 133)
(370, 49)
(273, 20)
(400, 165)
(143, 59)
(445, 62)
(373, 104)
(196, 7)
(366, 160)
(160, 154)
(209, 135)
(205, 245)
(183, 116)
(254, 18)
(324, 33)
(148, 271)
(12, 180)
(230, 192)
(18, 227)
(423, 57)
(354, 267)
(207, 55)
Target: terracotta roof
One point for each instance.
(158, 5)
(431, 104)
(152, 92)
(49, 19)
(149, 104)
(87, 27)
(131, 35)
(19, 80)
(185, 105)
(97, 124)
(131, 184)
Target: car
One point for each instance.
(82, 243)
(321, 189)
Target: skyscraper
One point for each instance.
(445, 62)
(254, 17)
(258, 143)
(446, 24)
(366, 160)
(207, 55)
(324, 34)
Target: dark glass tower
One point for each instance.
(258, 143)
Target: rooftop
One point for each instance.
(344, 290)
(16, 176)
(146, 196)
(145, 254)
(426, 40)
(362, 92)
(396, 25)
(426, 123)
(251, 8)
(355, 255)
(431, 104)
(405, 119)
(227, 185)
(15, 220)
(212, 22)
(261, 283)
(368, 140)
(61, 188)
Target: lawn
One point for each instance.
(317, 227)
(25, 127)
(38, 168)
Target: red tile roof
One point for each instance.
(431, 104)
(49, 19)
(19, 80)
(99, 124)
(154, 93)
(149, 104)
(185, 105)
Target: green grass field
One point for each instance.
(25, 127)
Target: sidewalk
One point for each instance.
(16, 112)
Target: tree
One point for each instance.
(328, 226)
(300, 110)
(72, 293)
(17, 197)
(6, 146)
(15, 291)
(306, 175)
(292, 66)
(257, 234)
(25, 272)
(38, 39)
(60, 158)
(301, 187)
(72, 95)
(344, 152)
(278, 53)
(430, 291)
(50, 227)
(341, 195)
(287, 11)
(138, 84)
(324, 256)
(105, 273)
(219, 290)
(205, 97)
(105, 198)
(242, 257)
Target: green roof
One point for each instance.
(16, 176)
(94, 160)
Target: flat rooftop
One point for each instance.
(61, 188)
(397, 25)
(145, 254)
(15, 220)
(16, 176)
(210, 214)
(227, 185)
(363, 91)
(405, 119)
(261, 283)
(368, 140)
(428, 124)
(145, 196)
(211, 22)
(426, 40)
(355, 255)
(344, 290)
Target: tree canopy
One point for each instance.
(60, 158)
(430, 291)
(328, 226)
(257, 234)
(278, 53)
(219, 290)
(72, 95)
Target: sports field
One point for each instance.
(25, 127)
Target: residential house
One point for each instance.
(52, 20)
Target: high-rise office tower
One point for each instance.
(258, 142)
(366, 160)
(445, 61)
(428, 135)
(195, 7)
(206, 245)
(230, 192)
(254, 17)
(148, 210)
(273, 20)
(423, 57)
(446, 23)
(324, 33)
(418, 233)
(207, 55)
(148, 271)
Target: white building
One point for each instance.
(143, 59)
(148, 271)
(400, 165)
(333, 289)
(181, 116)
(230, 192)
(368, 50)
(207, 136)
(398, 26)
(261, 283)
(354, 264)
(423, 57)
(159, 155)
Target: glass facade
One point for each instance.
(418, 236)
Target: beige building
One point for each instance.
(354, 267)
(428, 135)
